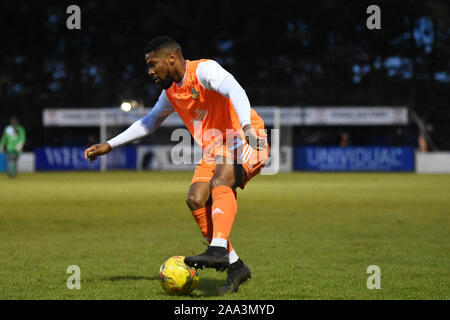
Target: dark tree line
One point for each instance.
(283, 53)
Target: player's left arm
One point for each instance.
(213, 77)
(231, 89)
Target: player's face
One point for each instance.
(159, 68)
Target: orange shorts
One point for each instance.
(235, 150)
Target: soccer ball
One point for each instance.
(176, 277)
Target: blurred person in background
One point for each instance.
(422, 143)
(424, 140)
(12, 141)
(344, 139)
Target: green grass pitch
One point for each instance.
(304, 235)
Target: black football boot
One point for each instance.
(238, 272)
(213, 257)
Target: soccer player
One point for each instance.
(13, 139)
(217, 112)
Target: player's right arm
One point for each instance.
(139, 129)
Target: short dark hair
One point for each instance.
(161, 42)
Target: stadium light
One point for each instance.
(128, 105)
(125, 106)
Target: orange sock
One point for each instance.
(224, 207)
(203, 218)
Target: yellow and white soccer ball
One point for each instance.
(176, 277)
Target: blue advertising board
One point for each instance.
(2, 162)
(72, 158)
(354, 159)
